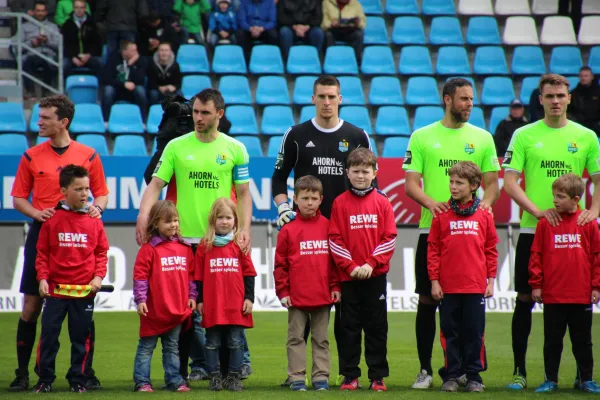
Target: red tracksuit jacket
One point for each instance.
(362, 230)
(164, 268)
(564, 260)
(71, 249)
(304, 269)
(222, 271)
(461, 252)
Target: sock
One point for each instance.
(25, 342)
(521, 328)
(425, 330)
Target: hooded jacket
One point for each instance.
(223, 21)
(303, 12)
(190, 14)
(257, 13)
(162, 75)
(117, 72)
(30, 31)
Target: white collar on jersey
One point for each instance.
(338, 126)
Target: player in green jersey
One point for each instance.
(432, 151)
(543, 151)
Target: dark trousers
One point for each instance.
(574, 12)
(578, 317)
(364, 308)
(245, 39)
(354, 38)
(80, 312)
(40, 68)
(462, 326)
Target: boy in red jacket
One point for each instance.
(564, 274)
(362, 238)
(72, 249)
(461, 284)
(306, 284)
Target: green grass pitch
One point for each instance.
(117, 336)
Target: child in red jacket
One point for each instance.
(306, 283)
(461, 284)
(564, 274)
(225, 278)
(362, 238)
(72, 250)
(165, 293)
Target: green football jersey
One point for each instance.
(434, 149)
(543, 154)
(203, 173)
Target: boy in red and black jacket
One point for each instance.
(564, 274)
(72, 249)
(362, 238)
(460, 284)
(306, 284)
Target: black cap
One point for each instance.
(516, 103)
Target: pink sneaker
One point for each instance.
(183, 388)
(145, 388)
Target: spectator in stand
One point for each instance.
(235, 5)
(190, 18)
(164, 75)
(153, 31)
(508, 126)
(585, 101)
(120, 19)
(27, 6)
(222, 24)
(164, 8)
(574, 12)
(124, 75)
(82, 45)
(300, 21)
(344, 21)
(64, 8)
(44, 39)
(536, 110)
(257, 20)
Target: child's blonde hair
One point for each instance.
(163, 210)
(569, 184)
(220, 204)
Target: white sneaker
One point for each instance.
(423, 381)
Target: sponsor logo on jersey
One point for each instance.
(567, 241)
(173, 263)
(363, 221)
(508, 157)
(279, 161)
(157, 167)
(310, 144)
(469, 148)
(314, 247)
(572, 147)
(204, 180)
(447, 163)
(222, 264)
(555, 168)
(437, 145)
(407, 157)
(464, 228)
(221, 159)
(69, 239)
(343, 145)
(328, 166)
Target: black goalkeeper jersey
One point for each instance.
(308, 149)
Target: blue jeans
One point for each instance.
(198, 344)
(287, 37)
(235, 343)
(112, 94)
(170, 359)
(114, 38)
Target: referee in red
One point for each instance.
(38, 173)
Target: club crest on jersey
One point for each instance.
(221, 159)
(469, 148)
(572, 147)
(343, 146)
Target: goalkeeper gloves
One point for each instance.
(286, 214)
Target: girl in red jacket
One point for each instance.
(165, 295)
(225, 278)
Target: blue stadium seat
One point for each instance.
(266, 59)
(192, 59)
(192, 84)
(276, 120)
(408, 30)
(88, 119)
(477, 118)
(306, 113)
(243, 120)
(445, 31)
(483, 30)
(392, 120)
(340, 60)
(351, 91)
(385, 90)
(40, 140)
(252, 144)
(404, 7)
(357, 115)
(124, 118)
(528, 60)
(33, 119)
(229, 59)
(303, 60)
(274, 146)
(13, 144)
(235, 89)
(376, 31)
(565, 60)
(82, 89)
(272, 90)
(415, 60)
(155, 115)
(303, 90)
(373, 144)
(497, 91)
(95, 141)
(13, 118)
(129, 145)
(498, 114)
(378, 60)
(475, 96)
(490, 60)
(422, 90)
(427, 115)
(438, 7)
(528, 85)
(453, 60)
(594, 59)
(395, 147)
(371, 6)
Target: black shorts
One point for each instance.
(29, 282)
(423, 284)
(522, 255)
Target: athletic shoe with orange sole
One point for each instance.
(377, 385)
(349, 384)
